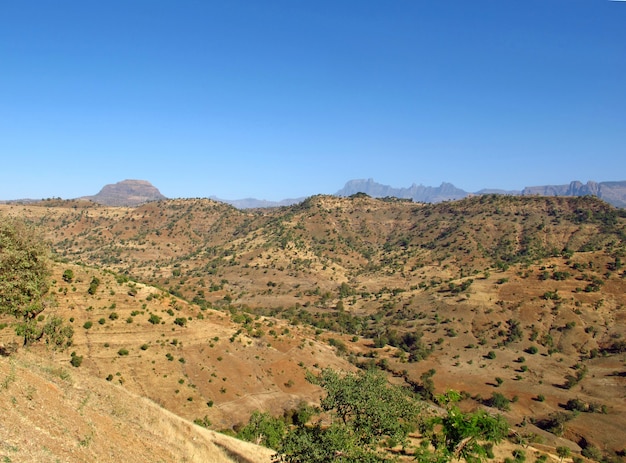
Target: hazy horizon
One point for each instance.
(336, 190)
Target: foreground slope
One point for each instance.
(55, 413)
(197, 363)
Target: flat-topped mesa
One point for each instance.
(127, 193)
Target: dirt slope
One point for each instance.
(50, 413)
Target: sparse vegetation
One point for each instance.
(284, 280)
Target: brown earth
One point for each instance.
(360, 270)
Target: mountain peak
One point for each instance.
(127, 193)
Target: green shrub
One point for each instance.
(498, 401)
(93, 286)
(532, 350)
(204, 422)
(122, 352)
(76, 360)
(68, 275)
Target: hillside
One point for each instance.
(520, 295)
(54, 412)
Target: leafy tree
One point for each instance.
(563, 452)
(24, 276)
(367, 414)
(57, 333)
(458, 435)
(263, 429)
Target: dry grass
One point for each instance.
(50, 413)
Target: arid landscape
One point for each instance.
(190, 309)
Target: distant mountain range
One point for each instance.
(136, 192)
(612, 192)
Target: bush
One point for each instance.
(76, 360)
(592, 452)
(519, 455)
(204, 422)
(498, 401)
(154, 319)
(88, 324)
(93, 286)
(122, 351)
(68, 276)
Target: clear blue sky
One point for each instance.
(278, 99)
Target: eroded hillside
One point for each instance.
(523, 297)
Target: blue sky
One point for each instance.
(279, 99)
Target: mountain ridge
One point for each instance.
(613, 192)
(133, 193)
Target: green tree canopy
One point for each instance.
(457, 435)
(24, 275)
(366, 414)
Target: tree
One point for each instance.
(458, 435)
(563, 452)
(24, 276)
(263, 429)
(366, 413)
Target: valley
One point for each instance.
(213, 312)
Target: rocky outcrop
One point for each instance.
(126, 193)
